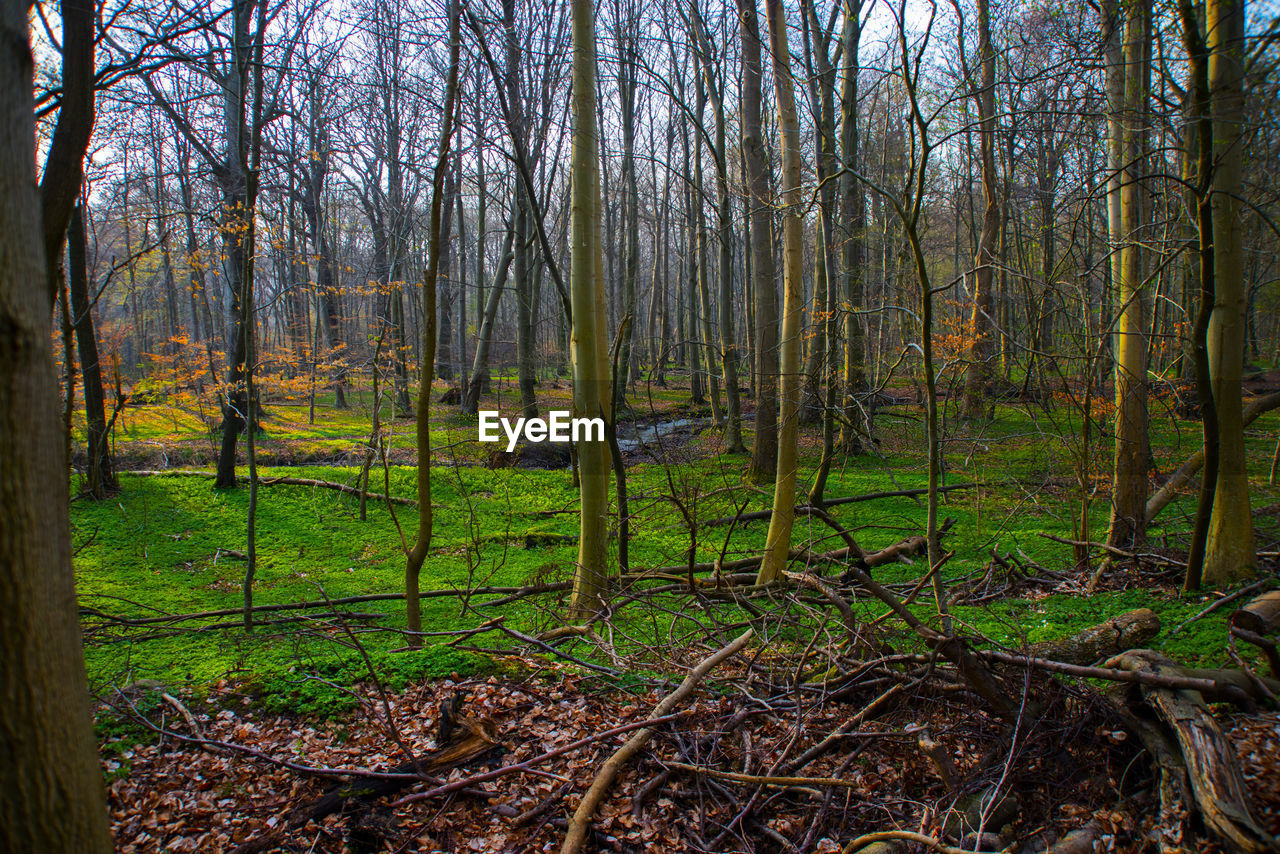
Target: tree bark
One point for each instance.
(102, 478)
(590, 366)
(51, 791)
(422, 542)
(978, 377)
(1229, 553)
(1129, 485)
(764, 450)
(778, 541)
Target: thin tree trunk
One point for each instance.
(764, 450)
(978, 377)
(590, 367)
(778, 541)
(422, 542)
(102, 477)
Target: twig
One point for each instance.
(580, 824)
(1225, 600)
(763, 780)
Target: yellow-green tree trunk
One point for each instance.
(1230, 551)
(1129, 488)
(587, 347)
(778, 543)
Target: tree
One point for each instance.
(51, 793)
(851, 227)
(64, 164)
(763, 279)
(778, 541)
(1198, 156)
(1126, 211)
(102, 477)
(980, 326)
(586, 280)
(422, 543)
(1230, 551)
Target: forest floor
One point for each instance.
(337, 689)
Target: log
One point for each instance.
(1261, 616)
(1217, 783)
(1130, 630)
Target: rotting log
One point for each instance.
(1256, 622)
(1217, 784)
(1261, 616)
(1130, 630)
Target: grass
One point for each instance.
(160, 544)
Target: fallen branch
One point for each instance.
(1130, 630)
(507, 592)
(866, 840)
(807, 509)
(763, 780)
(527, 765)
(285, 481)
(1183, 474)
(1221, 793)
(1225, 600)
(580, 824)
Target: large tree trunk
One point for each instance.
(237, 237)
(51, 791)
(590, 368)
(764, 451)
(1230, 550)
(778, 542)
(1198, 156)
(1129, 487)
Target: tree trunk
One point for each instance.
(422, 542)
(102, 477)
(1230, 551)
(764, 450)
(590, 368)
(1198, 155)
(479, 383)
(852, 225)
(51, 790)
(980, 326)
(778, 542)
(1129, 488)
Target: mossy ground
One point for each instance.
(156, 546)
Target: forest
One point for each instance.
(845, 426)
